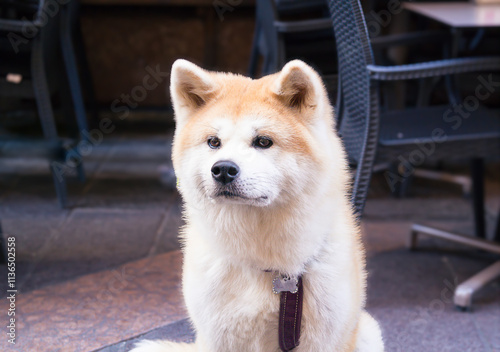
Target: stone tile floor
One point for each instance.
(105, 272)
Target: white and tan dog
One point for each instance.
(266, 188)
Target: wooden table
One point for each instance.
(459, 14)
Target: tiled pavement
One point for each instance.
(99, 275)
(103, 308)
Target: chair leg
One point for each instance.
(465, 291)
(405, 185)
(68, 53)
(41, 89)
(395, 186)
(254, 55)
(478, 243)
(87, 82)
(477, 173)
(60, 184)
(413, 239)
(81, 172)
(44, 105)
(67, 106)
(464, 181)
(73, 79)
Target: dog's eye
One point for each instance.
(262, 142)
(213, 142)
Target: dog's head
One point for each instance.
(252, 142)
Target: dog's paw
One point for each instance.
(163, 346)
(369, 335)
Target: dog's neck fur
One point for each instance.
(279, 238)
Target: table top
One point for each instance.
(459, 14)
(196, 3)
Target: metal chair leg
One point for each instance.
(68, 54)
(60, 184)
(453, 237)
(412, 239)
(44, 105)
(464, 291)
(464, 181)
(72, 79)
(86, 77)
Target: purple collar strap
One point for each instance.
(290, 317)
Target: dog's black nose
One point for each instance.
(225, 171)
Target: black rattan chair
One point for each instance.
(395, 134)
(76, 65)
(37, 57)
(291, 29)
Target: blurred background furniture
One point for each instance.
(410, 134)
(288, 29)
(38, 62)
(462, 17)
(299, 29)
(77, 66)
(470, 28)
(458, 15)
(293, 29)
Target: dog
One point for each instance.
(266, 190)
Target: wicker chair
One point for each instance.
(286, 29)
(393, 135)
(38, 59)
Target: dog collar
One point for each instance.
(291, 296)
(290, 316)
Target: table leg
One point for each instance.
(477, 173)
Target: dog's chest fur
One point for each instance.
(228, 300)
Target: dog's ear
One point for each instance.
(191, 88)
(298, 86)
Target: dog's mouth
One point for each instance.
(232, 194)
(229, 194)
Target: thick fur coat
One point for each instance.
(286, 208)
